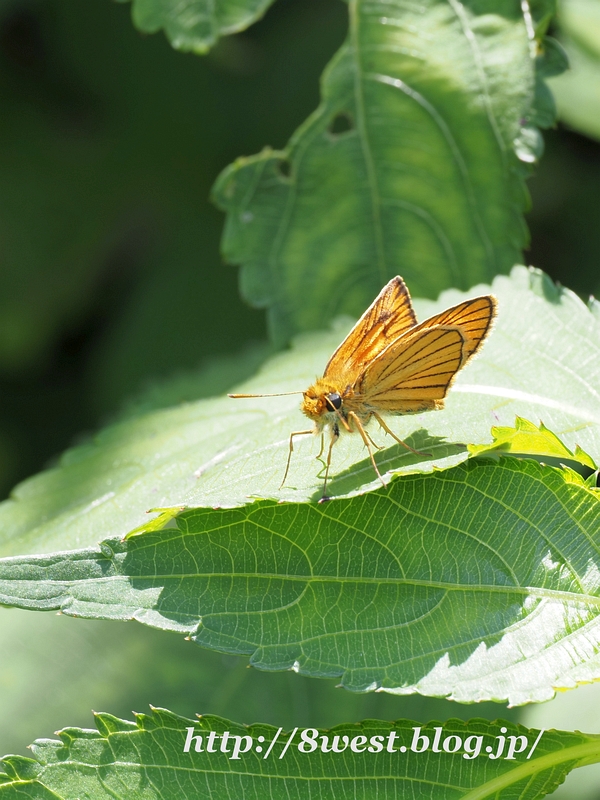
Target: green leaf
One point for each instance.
(553, 60)
(410, 163)
(123, 666)
(196, 25)
(570, 711)
(129, 666)
(147, 759)
(541, 362)
(577, 92)
(529, 439)
(475, 583)
(580, 20)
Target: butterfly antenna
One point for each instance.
(275, 394)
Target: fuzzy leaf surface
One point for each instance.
(145, 759)
(474, 583)
(541, 362)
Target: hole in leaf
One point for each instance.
(341, 123)
(284, 168)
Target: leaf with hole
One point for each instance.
(414, 163)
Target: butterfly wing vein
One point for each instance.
(417, 366)
(388, 316)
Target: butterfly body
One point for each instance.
(391, 364)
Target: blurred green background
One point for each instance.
(111, 283)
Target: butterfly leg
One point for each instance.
(375, 445)
(393, 435)
(322, 447)
(365, 437)
(289, 458)
(335, 435)
(320, 455)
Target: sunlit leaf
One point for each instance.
(570, 711)
(580, 19)
(541, 362)
(529, 439)
(475, 583)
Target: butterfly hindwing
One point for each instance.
(414, 372)
(474, 318)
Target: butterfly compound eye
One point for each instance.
(333, 401)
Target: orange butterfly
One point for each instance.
(390, 364)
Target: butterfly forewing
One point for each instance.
(390, 315)
(473, 317)
(415, 371)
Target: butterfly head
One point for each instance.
(320, 400)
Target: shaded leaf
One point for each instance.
(125, 666)
(475, 583)
(196, 25)
(215, 376)
(411, 164)
(146, 759)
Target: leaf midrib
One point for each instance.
(526, 591)
(361, 119)
(576, 753)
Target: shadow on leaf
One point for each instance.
(390, 459)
